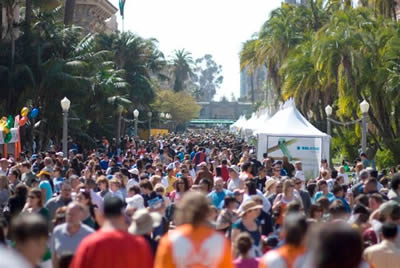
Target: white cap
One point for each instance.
(60, 154)
(134, 171)
(300, 175)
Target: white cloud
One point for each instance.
(217, 27)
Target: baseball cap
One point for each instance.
(60, 154)
(134, 171)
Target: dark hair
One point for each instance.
(377, 197)
(113, 207)
(243, 244)
(251, 187)
(395, 215)
(389, 230)
(246, 166)
(337, 189)
(394, 184)
(146, 185)
(337, 245)
(228, 200)
(334, 173)
(296, 227)
(28, 226)
(293, 207)
(206, 181)
(360, 209)
(185, 184)
(337, 208)
(135, 189)
(311, 189)
(315, 208)
(362, 199)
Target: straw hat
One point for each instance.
(269, 183)
(248, 206)
(144, 221)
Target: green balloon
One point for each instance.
(7, 138)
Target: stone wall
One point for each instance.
(96, 16)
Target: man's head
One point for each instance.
(233, 172)
(323, 186)
(389, 231)
(30, 233)
(375, 201)
(298, 165)
(218, 184)
(193, 209)
(66, 190)
(337, 210)
(395, 182)
(370, 185)
(338, 191)
(74, 214)
(295, 229)
(364, 174)
(113, 208)
(4, 163)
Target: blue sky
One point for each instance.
(217, 27)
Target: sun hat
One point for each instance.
(235, 169)
(144, 221)
(248, 206)
(134, 171)
(269, 183)
(43, 172)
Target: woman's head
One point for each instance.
(35, 198)
(316, 211)
(181, 185)
(288, 187)
(115, 184)
(193, 209)
(251, 187)
(155, 179)
(84, 198)
(243, 244)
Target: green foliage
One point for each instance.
(385, 158)
(329, 52)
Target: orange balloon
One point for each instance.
(22, 121)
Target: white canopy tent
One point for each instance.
(238, 125)
(289, 134)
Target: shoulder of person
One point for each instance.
(87, 229)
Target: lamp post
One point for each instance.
(136, 116)
(162, 116)
(168, 117)
(149, 114)
(364, 107)
(65, 104)
(328, 111)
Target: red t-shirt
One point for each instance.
(115, 249)
(224, 173)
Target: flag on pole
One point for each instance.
(121, 7)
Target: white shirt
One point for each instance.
(97, 200)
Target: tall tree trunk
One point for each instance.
(27, 30)
(252, 88)
(69, 12)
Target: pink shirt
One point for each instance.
(246, 263)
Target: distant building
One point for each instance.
(223, 110)
(96, 16)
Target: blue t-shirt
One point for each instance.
(319, 194)
(104, 164)
(218, 197)
(49, 192)
(57, 182)
(346, 205)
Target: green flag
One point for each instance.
(121, 7)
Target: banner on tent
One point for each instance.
(306, 150)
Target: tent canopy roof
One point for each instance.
(289, 122)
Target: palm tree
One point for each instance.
(183, 66)
(69, 12)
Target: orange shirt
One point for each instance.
(193, 247)
(285, 256)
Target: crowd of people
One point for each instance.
(195, 199)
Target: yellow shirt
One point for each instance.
(171, 183)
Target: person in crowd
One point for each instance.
(181, 187)
(219, 193)
(227, 216)
(112, 245)
(4, 191)
(143, 224)
(234, 180)
(45, 186)
(385, 254)
(170, 179)
(35, 204)
(189, 245)
(282, 200)
(335, 245)
(27, 176)
(67, 236)
(394, 192)
(242, 247)
(288, 167)
(103, 185)
(304, 195)
(316, 212)
(115, 189)
(338, 192)
(91, 214)
(294, 232)
(16, 202)
(323, 191)
(4, 166)
(248, 223)
(30, 233)
(13, 178)
(59, 201)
